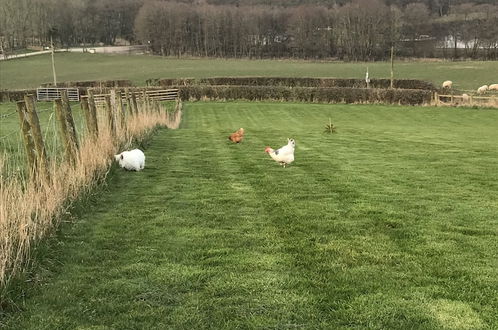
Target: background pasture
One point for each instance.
(31, 72)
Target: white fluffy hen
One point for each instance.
(133, 160)
(285, 155)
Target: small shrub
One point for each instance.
(330, 128)
(15, 95)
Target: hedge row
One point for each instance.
(294, 82)
(107, 90)
(306, 94)
(15, 95)
(91, 83)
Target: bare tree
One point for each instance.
(349, 29)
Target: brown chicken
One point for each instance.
(237, 136)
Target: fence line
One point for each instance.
(33, 201)
(8, 114)
(464, 99)
(7, 135)
(156, 95)
(13, 113)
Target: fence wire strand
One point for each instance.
(7, 115)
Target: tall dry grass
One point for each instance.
(31, 208)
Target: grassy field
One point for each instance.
(390, 223)
(31, 72)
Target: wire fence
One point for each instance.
(7, 114)
(13, 113)
(7, 135)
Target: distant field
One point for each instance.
(31, 72)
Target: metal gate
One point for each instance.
(50, 94)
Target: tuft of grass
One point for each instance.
(330, 128)
(390, 225)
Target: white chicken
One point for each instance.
(285, 155)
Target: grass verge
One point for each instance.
(30, 207)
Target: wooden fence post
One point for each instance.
(152, 105)
(128, 101)
(110, 115)
(134, 103)
(86, 112)
(155, 106)
(28, 139)
(141, 100)
(120, 109)
(67, 133)
(90, 124)
(145, 102)
(93, 112)
(112, 92)
(178, 105)
(392, 66)
(436, 98)
(36, 132)
(71, 127)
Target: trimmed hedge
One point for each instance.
(294, 82)
(306, 94)
(106, 90)
(15, 95)
(91, 83)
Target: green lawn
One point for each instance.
(390, 223)
(31, 72)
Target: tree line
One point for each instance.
(342, 29)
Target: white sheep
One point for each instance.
(447, 84)
(482, 89)
(465, 97)
(493, 87)
(133, 160)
